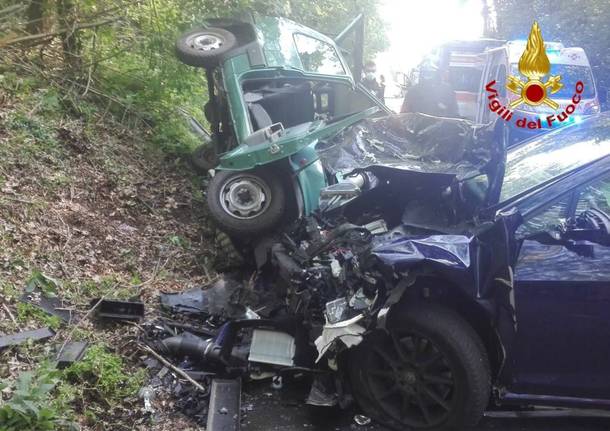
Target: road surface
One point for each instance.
(267, 409)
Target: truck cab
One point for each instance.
(276, 88)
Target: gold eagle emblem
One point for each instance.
(534, 64)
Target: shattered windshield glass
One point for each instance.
(554, 154)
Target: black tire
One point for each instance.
(459, 376)
(204, 47)
(204, 158)
(263, 219)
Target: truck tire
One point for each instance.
(246, 203)
(430, 371)
(204, 47)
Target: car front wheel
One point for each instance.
(428, 372)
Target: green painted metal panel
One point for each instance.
(248, 157)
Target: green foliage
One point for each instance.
(26, 312)
(108, 287)
(47, 285)
(180, 241)
(31, 131)
(8, 290)
(31, 406)
(105, 373)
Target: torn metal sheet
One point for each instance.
(225, 405)
(218, 299)
(449, 250)
(189, 301)
(348, 332)
(22, 337)
(147, 394)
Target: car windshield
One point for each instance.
(570, 75)
(554, 154)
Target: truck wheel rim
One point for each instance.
(205, 42)
(411, 380)
(245, 197)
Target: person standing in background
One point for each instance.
(370, 81)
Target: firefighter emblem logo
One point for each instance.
(534, 64)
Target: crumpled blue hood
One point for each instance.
(449, 250)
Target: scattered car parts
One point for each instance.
(108, 309)
(52, 305)
(22, 337)
(71, 353)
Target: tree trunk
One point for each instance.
(70, 42)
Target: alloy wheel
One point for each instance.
(412, 380)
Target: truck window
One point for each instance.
(318, 56)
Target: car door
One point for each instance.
(562, 303)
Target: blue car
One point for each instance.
(492, 281)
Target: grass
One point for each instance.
(44, 399)
(105, 372)
(27, 312)
(93, 205)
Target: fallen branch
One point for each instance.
(11, 9)
(41, 37)
(174, 368)
(8, 311)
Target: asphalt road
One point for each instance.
(283, 410)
